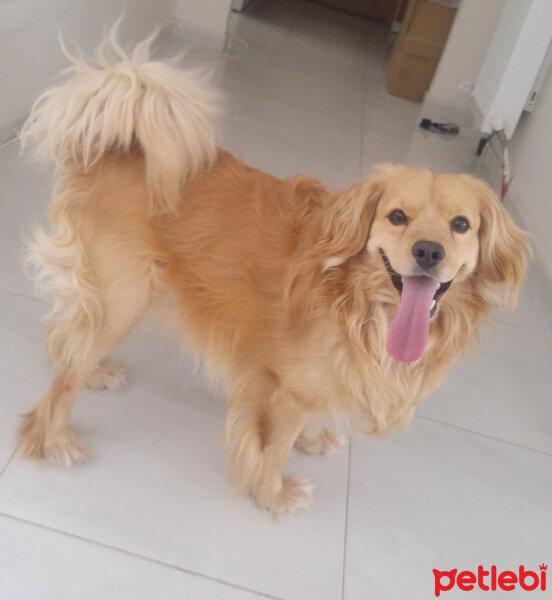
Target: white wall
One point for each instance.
(530, 197)
(531, 154)
(513, 61)
(467, 45)
(29, 50)
(207, 15)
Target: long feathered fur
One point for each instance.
(120, 101)
(278, 284)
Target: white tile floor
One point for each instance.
(151, 516)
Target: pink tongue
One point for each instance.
(407, 336)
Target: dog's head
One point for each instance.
(429, 232)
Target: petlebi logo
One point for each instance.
(491, 579)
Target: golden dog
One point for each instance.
(313, 307)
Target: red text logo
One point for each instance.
(490, 580)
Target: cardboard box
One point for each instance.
(418, 48)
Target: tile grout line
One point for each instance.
(517, 326)
(296, 141)
(8, 142)
(140, 557)
(281, 45)
(327, 182)
(346, 521)
(20, 294)
(9, 461)
(484, 435)
(267, 65)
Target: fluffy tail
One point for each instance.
(120, 102)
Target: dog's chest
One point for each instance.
(378, 388)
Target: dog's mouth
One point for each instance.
(397, 282)
(420, 294)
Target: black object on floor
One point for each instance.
(444, 128)
(481, 146)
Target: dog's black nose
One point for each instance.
(428, 254)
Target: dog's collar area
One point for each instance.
(396, 280)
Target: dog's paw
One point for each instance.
(295, 493)
(31, 436)
(325, 443)
(66, 449)
(108, 374)
(63, 448)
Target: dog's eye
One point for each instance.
(397, 217)
(459, 224)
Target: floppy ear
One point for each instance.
(346, 223)
(503, 248)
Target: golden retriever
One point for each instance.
(313, 307)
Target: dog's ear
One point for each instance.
(503, 248)
(347, 219)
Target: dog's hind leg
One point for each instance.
(45, 432)
(91, 321)
(262, 425)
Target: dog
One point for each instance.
(312, 307)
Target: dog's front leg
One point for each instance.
(262, 430)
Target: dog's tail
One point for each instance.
(121, 102)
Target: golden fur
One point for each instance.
(278, 285)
